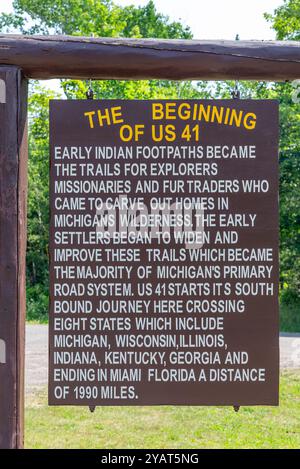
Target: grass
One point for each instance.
(167, 427)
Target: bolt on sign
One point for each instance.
(164, 252)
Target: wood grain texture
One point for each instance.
(13, 193)
(104, 58)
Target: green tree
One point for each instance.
(106, 18)
(102, 18)
(286, 22)
(289, 184)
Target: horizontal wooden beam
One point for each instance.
(13, 196)
(45, 57)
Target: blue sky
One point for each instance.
(212, 19)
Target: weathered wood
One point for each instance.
(78, 57)
(13, 191)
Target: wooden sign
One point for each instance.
(164, 252)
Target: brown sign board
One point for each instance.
(164, 252)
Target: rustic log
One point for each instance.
(45, 57)
(13, 191)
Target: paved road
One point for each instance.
(37, 355)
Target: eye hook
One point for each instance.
(235, 93)
(90, 92)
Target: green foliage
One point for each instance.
(286, 22)
(106, 18)
(289, 192)
(87, 18)
(289, 184)
(289, 311)
(71, 17)
(182, 427)
(143, 89)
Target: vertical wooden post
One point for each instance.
(13, 192)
